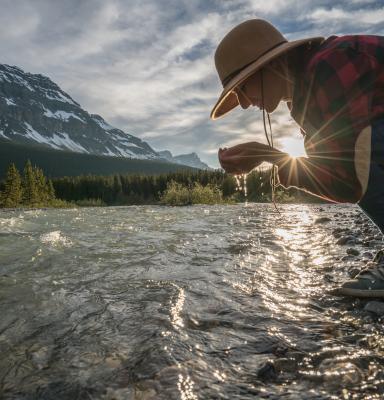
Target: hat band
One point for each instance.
(234, 73)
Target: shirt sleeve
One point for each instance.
(339, 102)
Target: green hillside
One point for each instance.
(57, 163)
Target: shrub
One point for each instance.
(205, 194)
(90, 203)
(178, 195)
(58, 203)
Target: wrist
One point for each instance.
(275, 156)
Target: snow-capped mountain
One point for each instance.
(35, 109)
(192, 159)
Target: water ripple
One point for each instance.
(198, 302)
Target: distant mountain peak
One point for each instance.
(34, 109)
(191, 159)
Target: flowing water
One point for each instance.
(202, 302)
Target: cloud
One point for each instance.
(346, 19)
(147, 65)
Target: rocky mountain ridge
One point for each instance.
(34, 109)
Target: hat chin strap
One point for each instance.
(269, 140)
(274, 182)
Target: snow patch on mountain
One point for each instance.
(34, 135)
(59, 97)
(58, 141)
(62, 140)
(2, 135)
(9, 102)
(109, 153)
(10, 77)
(63, 115)
(99, 121)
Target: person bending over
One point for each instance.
(334, 89)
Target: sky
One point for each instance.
(147, 66)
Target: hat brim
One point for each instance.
(228, 99)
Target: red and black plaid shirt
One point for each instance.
(338, 92)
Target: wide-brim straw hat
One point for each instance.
(243, 51)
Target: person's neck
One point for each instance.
(288, 82)
(288, 92)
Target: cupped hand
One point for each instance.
(243, 158)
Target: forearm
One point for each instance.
(276, 157)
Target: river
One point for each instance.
(201, 302)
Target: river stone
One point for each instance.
(338, 230)
(353, 252)
(267, 371)
(346, 240)
(40, 357)
(340, 374)
(322, 220)
(376, 307)
(368, 254)
(286, 365)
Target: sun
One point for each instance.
(294, 147)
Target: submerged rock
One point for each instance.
(376, 307)
(340, 374)
(353, 252)
(40, 357)
(367, 254)
(346, 240)
(286, 365)
(267, 371)
(322, 220)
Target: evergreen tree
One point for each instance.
(50, 191)
(11, 196)
(41, 186)
(117, 189)
(228, 186)
(30, 189)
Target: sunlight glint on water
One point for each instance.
(197, 302)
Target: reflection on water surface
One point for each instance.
(189, 303)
